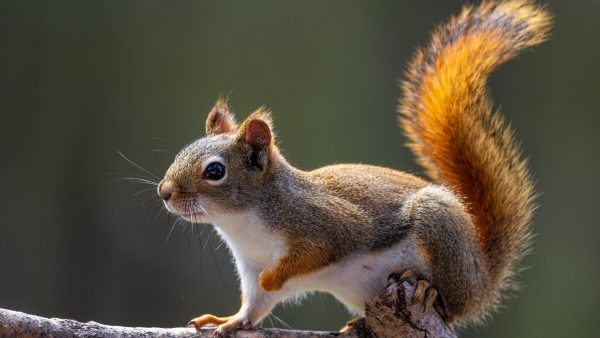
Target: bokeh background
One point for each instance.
(81, 79)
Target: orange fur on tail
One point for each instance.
(449, 120)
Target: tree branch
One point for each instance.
(391, 314)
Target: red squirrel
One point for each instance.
(345, 228)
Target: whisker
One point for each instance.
(202, 232)
(194, 220)
(270, 320)
(193, 240)
(184, 227)
(135, 179)
(219, 271)
(198, 239)
(201, 207)
(322, 297)
(171, 231)
(192, 235)
(152, 197)
(143, 191)
(286, 325)
(159, 212)
(150, 178)
(137, 165)
(190, 211)
(207, 239)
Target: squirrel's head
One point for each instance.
(220, 172)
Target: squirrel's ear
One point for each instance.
(256, 131)
(220, 120)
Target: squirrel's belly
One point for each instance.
(362, 276)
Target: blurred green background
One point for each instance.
(81, 79)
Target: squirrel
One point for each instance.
(345, 228)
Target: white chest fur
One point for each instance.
(250, 244)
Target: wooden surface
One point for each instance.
(391, 314)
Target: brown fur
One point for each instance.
(301, 259)
(447, 115)
(464, 235)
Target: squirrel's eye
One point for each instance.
(214, 171)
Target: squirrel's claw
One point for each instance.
(425, 293)
(399, 277)
(200, 322)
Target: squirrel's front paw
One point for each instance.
(200, 322)
(232, 325)
(269, 280)
(425, 293)
(225, 324)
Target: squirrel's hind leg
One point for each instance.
(449, 249)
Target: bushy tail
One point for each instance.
(447, 115)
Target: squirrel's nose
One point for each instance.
(165, 189)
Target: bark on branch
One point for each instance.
(391, 314)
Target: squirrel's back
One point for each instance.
(452, 129)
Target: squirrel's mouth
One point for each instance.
(194, 216)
